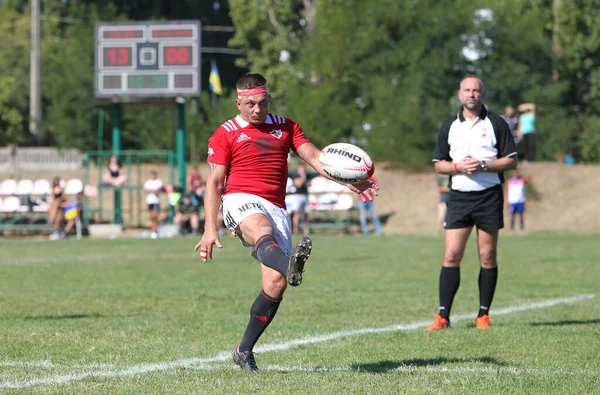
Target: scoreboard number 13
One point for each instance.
(117, 57)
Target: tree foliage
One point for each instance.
(380, 73)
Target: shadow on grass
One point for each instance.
(63, 317)
(567, 322)
(384, 218)
(386, 366)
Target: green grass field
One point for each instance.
(147, 316)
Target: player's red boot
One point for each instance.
(482, 322)
(438, 324)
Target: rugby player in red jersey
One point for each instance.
(247, 159)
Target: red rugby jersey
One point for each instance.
(256, 155)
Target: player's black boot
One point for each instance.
(298, 258)
(245, 361)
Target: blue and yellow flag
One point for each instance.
(214, 81)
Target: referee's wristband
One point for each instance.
(455, 166)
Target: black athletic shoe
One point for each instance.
(245, 361)
(300, 254)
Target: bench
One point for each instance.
(332, 205)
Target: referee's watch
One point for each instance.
(484, 166)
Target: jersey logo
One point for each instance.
(211, 151)
(230, 126)
(277, 133)
(243, 137)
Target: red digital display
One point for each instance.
(117, 57)
(119, 34)
(172, 33)
(177, 55)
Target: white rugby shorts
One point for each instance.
(239, 206)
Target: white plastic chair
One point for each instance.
(8, 187)
(335, 187)
(345, 202)
(289, 186)
(319, 184)
(41, 187)
(74, 186)
(11, 204)
(24, 187)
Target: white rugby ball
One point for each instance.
(346, 163)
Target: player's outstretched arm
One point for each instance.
(212, 201)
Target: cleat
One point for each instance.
(483, 322)
(298, 258)
(245, 361)
(438, 324)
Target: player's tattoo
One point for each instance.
(211, 167)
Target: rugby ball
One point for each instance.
(346, 163)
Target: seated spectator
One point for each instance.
(113, 174)
(153, 187)
(187, 213)
(72, 216)
(195, 186)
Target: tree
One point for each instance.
(14, 78)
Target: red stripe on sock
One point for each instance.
(269, 298)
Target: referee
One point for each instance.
(474, 148)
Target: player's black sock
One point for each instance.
(449, 282)
(487, 287)
(268, 252)
(262, 312)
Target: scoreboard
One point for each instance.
(147, 59)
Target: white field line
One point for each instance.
(226, 355)
(50, 365)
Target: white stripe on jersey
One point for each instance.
(229, 126)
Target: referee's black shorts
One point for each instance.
(483, 209)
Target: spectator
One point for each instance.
(444, 191)
(195, 186)
(511, 118)
(297, 201)
(527, 129)
(152, 188)
(113, 175)
(55, 210)
(363, 207)
(515, 199)
(566, 158)
(187, 214)
(73, 217)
